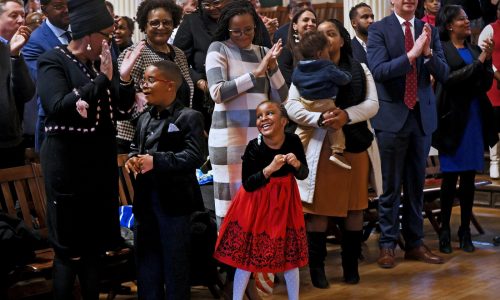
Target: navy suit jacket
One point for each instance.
(389, 64)
(41, 41)
(282, 33)
(358, 52)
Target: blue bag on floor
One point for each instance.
(204, 178)
(126, 216)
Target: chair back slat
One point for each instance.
(329, 10)
(22, 196)
(19, 192)
(9, 204)
(125, 186)
(37, 190)
(278, 12)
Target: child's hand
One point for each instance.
(145, 163)
(292, 160)
(132, 165)
(278, 161)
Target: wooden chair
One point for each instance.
(125, 181)
(329, 10)
(432, 190)
(23, 197)
(23, 193)
(432, 206)
(278, 12)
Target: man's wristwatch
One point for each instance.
(428, 55)
(320, 121)
(348, 117)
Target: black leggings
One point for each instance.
(465, 194)
(65, 271)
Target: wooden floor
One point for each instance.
(463, 276)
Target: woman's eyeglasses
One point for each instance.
(150, 81)
(209, 5)
(157, 23)
(239, 32)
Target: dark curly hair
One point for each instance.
(446, 15)
(346, 49)
(148, 5)
(231, 9)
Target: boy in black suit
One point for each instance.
(166, 150)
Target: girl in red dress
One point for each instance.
(264, 229)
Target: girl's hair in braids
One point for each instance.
(231, 9)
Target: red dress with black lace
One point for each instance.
(264, 230)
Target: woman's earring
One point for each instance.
(89, 48)
(295, 36)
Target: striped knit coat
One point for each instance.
(236, 93)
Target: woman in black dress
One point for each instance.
(193, 37)
(82, 93)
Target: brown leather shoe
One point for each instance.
(386, 258)
(423, 253)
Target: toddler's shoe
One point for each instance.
(339, 159)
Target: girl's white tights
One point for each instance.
(241, 278)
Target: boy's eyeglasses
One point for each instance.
(239, 33)
(150, 81)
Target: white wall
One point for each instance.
(381, 8)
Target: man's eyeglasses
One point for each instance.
(239, 33)
(209, 5)
(108, 36)
(150, 81)
(157, 23)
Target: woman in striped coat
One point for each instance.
(240, 75)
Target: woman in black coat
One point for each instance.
(465, 119)
(193, 37)
(82, 94)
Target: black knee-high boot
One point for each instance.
(64, 275)
(447, 195)
(88, 275)
(351, 249)
(466, 192)
(316, 242)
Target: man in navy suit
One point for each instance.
(53, 32)
(361, 16)
(402, 55)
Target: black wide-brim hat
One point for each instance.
(87, 17)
